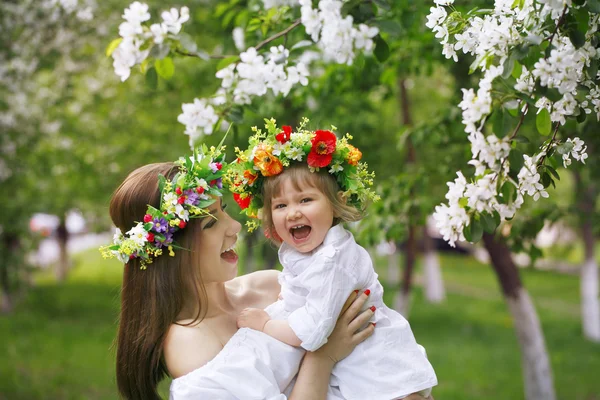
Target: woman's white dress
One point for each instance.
(252, 366)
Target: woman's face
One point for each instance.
(218, 260)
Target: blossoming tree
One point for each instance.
(538, 62)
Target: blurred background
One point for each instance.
(71, 132)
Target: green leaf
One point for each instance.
(389, 26)
(151, 79)
(508, 192)
(553, 171)
(463, 202)
(383, 4)
(160, 51)
(382, 50)
(236, 114)
(515, 158)
(488, 223)
(521, 139)
(144, 65)
(502, 122)
(517, 70)
(165, 67)
(301, 44)
(564, 148)
(476, 230)
(226, 61)
(592, 70)
(509, 65)
(577, 37)
(543, 123)
(467, 233)
(546, 179)
(187, 42)
(594, 6)
(582, 116)
(112, 46)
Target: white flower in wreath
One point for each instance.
(336, 167)
(294, 153)
(138, 235)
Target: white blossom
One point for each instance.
(174, 19)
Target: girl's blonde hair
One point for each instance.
(300, 177)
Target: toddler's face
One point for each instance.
(301, 217)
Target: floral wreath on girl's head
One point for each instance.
(270, 152)
(186, 196)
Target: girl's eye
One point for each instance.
(306, 200)
(278, 206)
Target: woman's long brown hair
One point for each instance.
(151, 299)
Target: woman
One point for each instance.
(179, 311)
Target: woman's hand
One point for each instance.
(347, 334)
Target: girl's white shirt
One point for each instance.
(314, 287)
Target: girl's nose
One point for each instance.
(293, 214)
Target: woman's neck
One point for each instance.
(220, 299)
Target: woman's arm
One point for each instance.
(315, 371)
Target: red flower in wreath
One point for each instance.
(285, 135)
(243, 202)
(323, 146)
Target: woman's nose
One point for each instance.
(234, 226)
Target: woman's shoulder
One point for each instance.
(259, 280)
(189, 347)
(260, 288)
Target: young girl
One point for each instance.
(306, 184)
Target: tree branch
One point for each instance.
(559, 23)
(278, 35)
(213, 56)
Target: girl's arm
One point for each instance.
(259, 320)
(313, 378)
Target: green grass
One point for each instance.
(57, 343)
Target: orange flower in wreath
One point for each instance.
(267, 163)
(250, 176)
(354, 155)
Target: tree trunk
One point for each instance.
(402, 303)
(433, 282)
(6, 304)
(537, 371)
(393, 267)
(10, 245)
(62, 236)
(590, 307)
(251, 247)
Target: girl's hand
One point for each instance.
(347, 334)
(253, 318)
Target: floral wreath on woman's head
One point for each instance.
(270, 152)
(186, 196)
